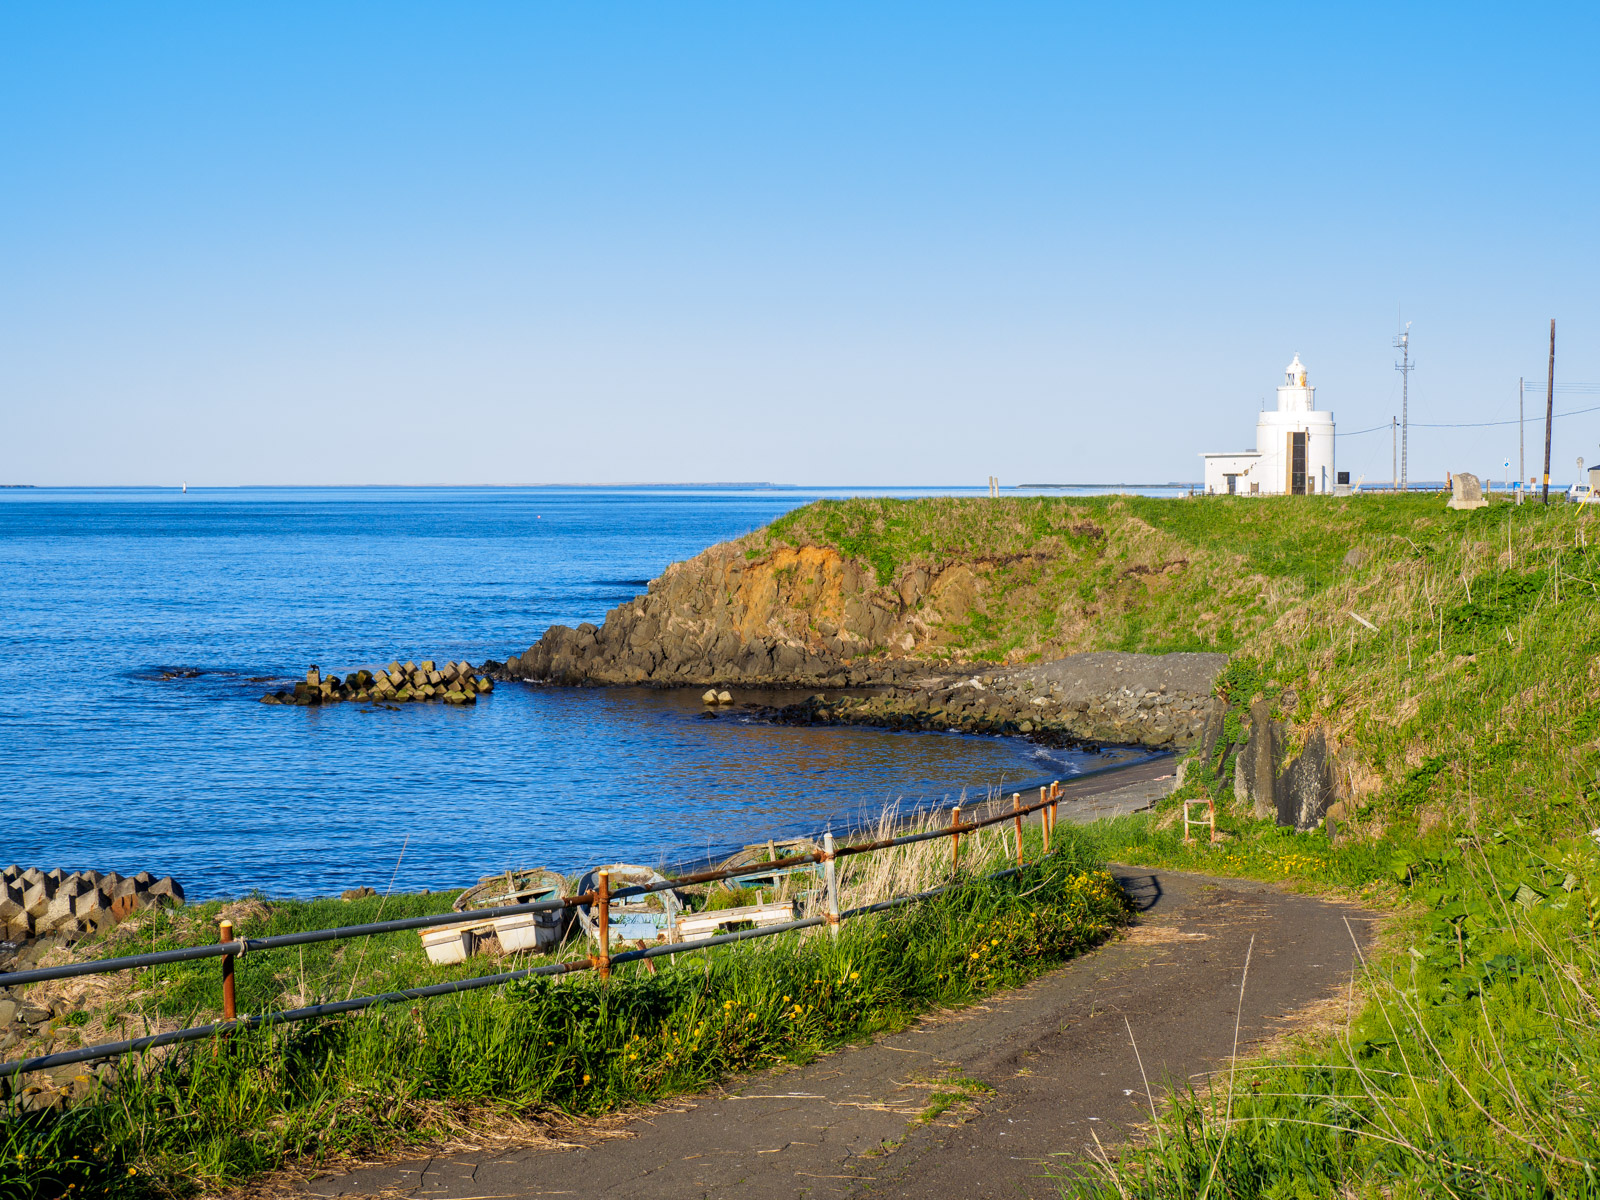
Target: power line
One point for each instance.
(1577, 412)
(1485, 424)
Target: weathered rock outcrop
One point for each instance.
(1306, 788)
(1296, 794)
(795, 616)
(1255, 777)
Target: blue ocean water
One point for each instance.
(110, 764)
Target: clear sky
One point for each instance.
(821, 243)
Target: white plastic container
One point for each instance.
(449, 944)
(528, 931)
(708, 924)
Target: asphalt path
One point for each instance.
(991, 1101)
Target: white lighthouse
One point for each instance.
(1294, 447)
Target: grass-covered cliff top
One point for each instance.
(1042, 577)
(1453, 664)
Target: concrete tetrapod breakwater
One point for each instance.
(34, 903)
(397, 683)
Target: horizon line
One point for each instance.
(763, 486)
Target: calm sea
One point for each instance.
(108, 763)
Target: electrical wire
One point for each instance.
(1577, 412)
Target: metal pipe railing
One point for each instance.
(309, 1012)
(602, 962)
(240, 946)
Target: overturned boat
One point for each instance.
(649, 918)
(540, 932)
(784, 880)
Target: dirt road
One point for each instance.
(981, 1103)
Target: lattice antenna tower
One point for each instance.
(1405, 366)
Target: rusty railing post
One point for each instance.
(955, 840)
(602, 920)
(1016, 807)
(1044, 819)
(225, 935)
(830, 884)
(1055, 803)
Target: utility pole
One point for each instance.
(1522, 435)
(1549, 408)
(1405, 367)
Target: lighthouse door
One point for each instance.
(1297, 464)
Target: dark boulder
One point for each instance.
(1255, 773)
(1305, 791)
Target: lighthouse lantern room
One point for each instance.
(1294, 447)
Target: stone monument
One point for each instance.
(1465, 491)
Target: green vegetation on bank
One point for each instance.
(220, 1112)
(1053, 576)
(1465, 727)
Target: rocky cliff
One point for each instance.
(847, 593)
(791, 616)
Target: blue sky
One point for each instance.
(842, 244)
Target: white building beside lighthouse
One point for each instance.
(1294, 448)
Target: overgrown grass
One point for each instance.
(223, 1111)
(1466, 735)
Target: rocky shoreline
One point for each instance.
(1158, 702)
